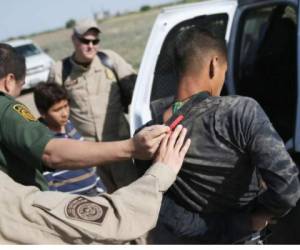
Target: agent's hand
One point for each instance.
(147, 141)
(173, 149)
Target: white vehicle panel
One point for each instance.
(167, 19)
(38, 63)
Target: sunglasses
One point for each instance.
(88, 41)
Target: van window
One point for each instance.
(165, 78)
(266, 65)
(28, 50)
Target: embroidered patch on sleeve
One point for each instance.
(24, 112)
(83, 209)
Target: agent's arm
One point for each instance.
(72, 154)
(128, 213)
(277, 169)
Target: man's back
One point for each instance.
(233, 146)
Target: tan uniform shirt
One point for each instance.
(96, 110)
(95, 104)
(30, 216)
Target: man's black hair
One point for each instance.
(11, 62)
(192, 45)
(47, 94)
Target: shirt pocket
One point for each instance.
(78, 94)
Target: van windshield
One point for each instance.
(28, 50)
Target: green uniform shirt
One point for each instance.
(22, 142)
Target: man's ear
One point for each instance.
(9, 82)
(213, 66)
(211, 69)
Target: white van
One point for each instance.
(263, 38)
(38, 63)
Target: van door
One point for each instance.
(263, 65)
(297, 129)
(156, 77)
(263, 60)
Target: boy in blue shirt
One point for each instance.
(52, 102)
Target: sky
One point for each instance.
(23, 17)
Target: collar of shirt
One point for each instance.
(95, 65)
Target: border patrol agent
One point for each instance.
(100, 86)
(29, 216)
(54, 217)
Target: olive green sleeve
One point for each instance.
(22, 134)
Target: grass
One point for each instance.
(127, 35)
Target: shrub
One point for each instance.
(145, 8)
(70, 23)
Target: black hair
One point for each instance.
(11, 62)
(192, 45)
(47, 94)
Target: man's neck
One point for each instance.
(81, 62)
(189, 86)
(2, 89)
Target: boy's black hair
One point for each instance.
(11, 62)
(192, 45)
(47, 94)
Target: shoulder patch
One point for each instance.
(24, 112)
(86, 210)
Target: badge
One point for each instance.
(85, 210)
(109, 74)
(24, 112)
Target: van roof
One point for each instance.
(242, 2)
(19, 42)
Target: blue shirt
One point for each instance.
(79, 181)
